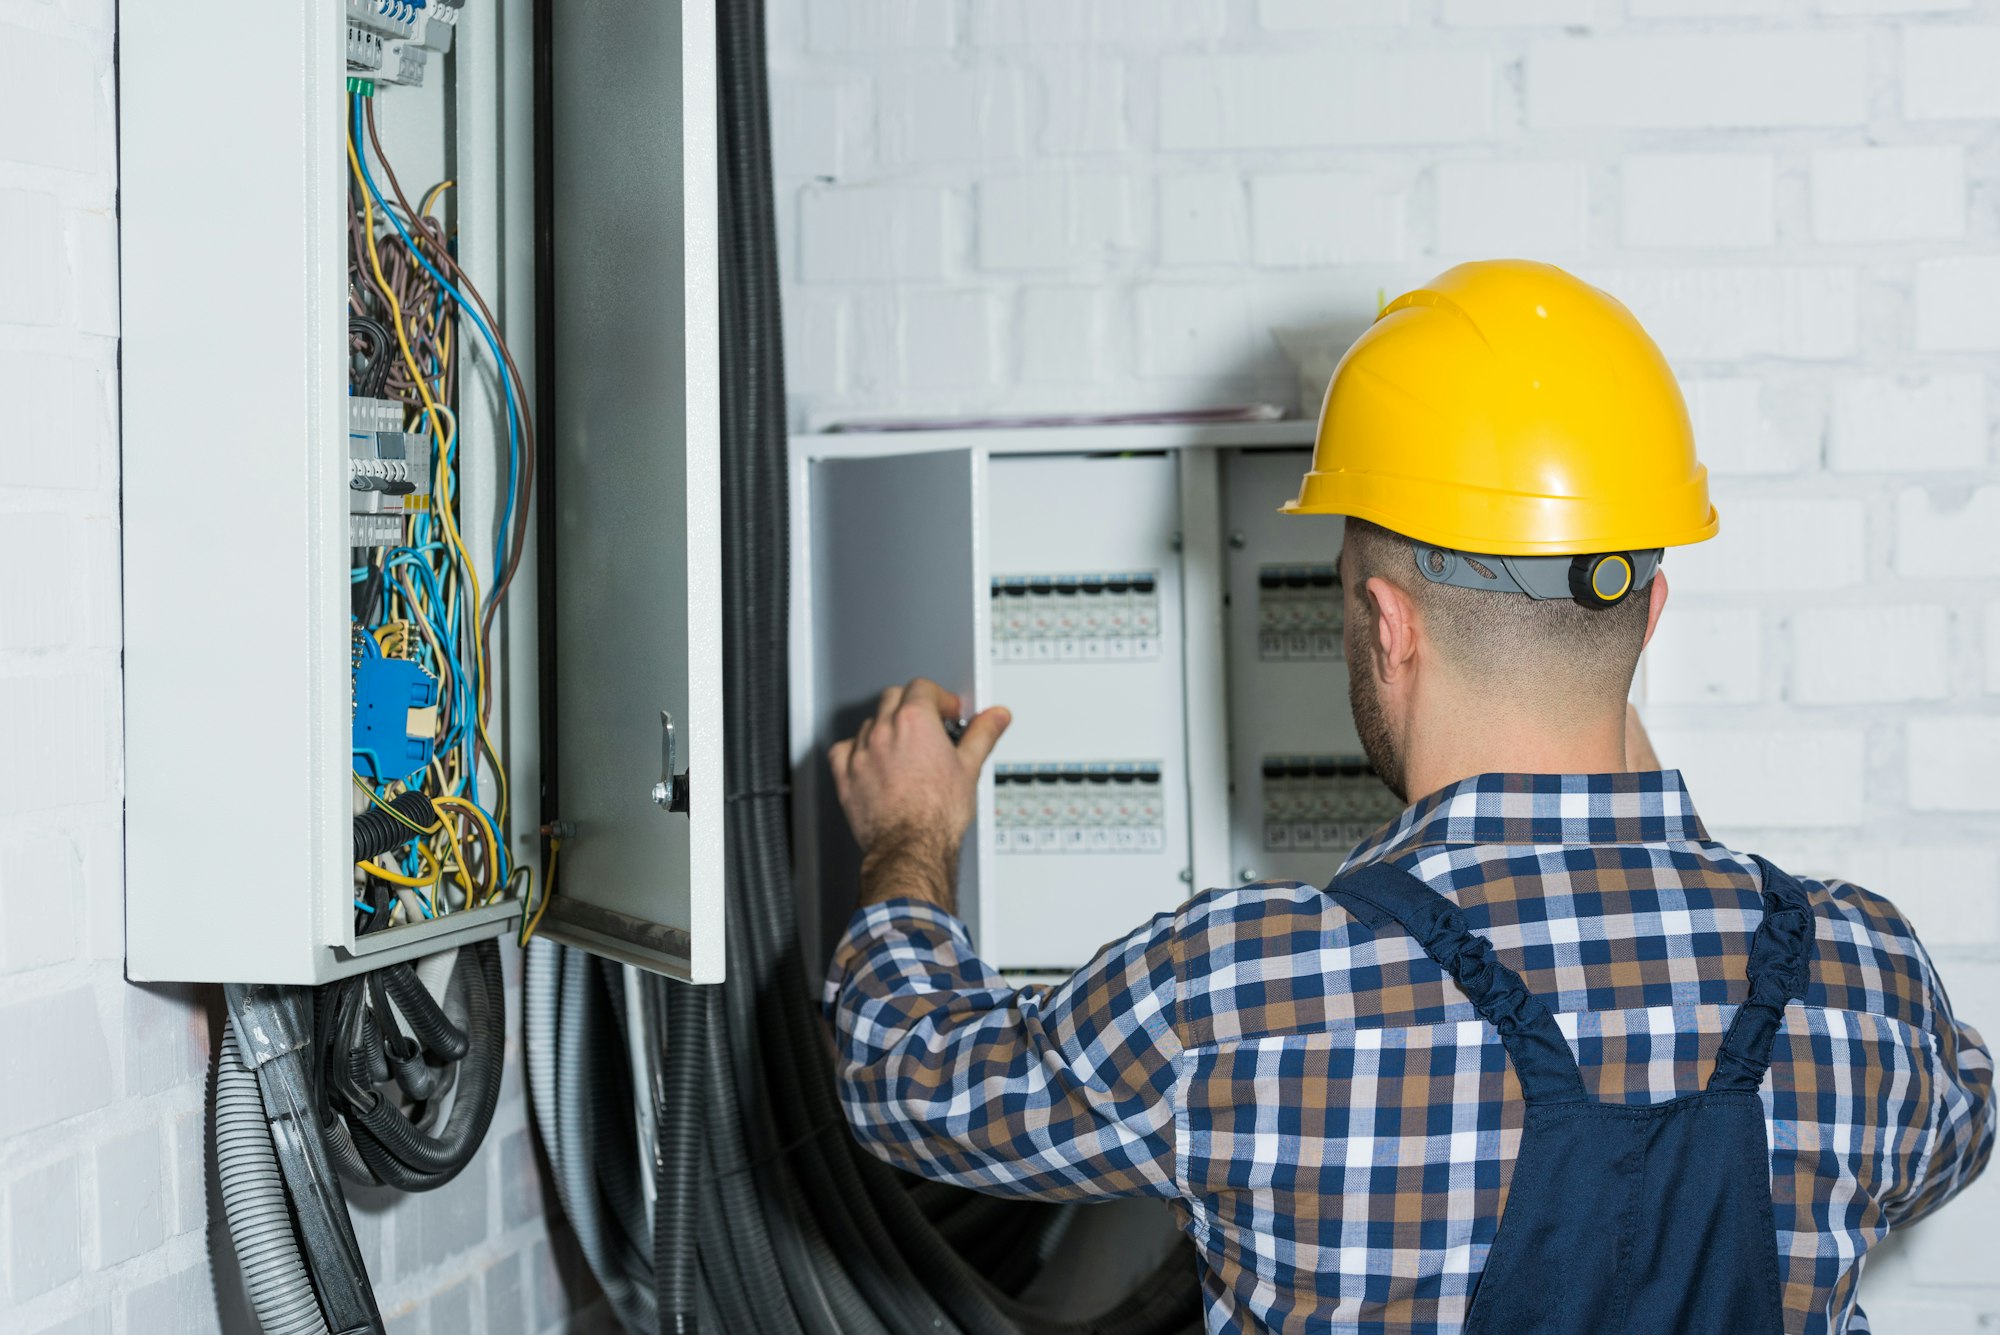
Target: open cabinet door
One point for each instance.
(635, 525)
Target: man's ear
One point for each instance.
(1394, 643)
(1657, 603)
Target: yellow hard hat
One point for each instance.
(1510, 408)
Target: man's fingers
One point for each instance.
(925, 694)
(982, 735)
(885, 703)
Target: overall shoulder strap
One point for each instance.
(1780, 966)
(1380, 894)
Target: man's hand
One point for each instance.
(908, 791)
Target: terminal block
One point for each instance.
(1298, 613)
(388, 472)
(1324, 804)
(395, 713)
(1101, 807)
(1076, 618)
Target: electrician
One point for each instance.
(1544, 1056)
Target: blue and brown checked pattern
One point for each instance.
(1335, 1125)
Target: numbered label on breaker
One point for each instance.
(1324, 804)
(1101, 807)
(1298, 613)
(1076, 618)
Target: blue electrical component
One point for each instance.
(395, 714)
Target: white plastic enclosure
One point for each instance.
(914, 553)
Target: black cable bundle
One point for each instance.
(453, 1049)
(801, 1231)
(377, 831)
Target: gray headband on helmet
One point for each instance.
(1598, 580)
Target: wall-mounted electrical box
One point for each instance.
(333, 451)
(1170, 647)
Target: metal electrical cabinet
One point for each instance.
(1169, 646)
(581, 140)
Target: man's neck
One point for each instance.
(1471, 739)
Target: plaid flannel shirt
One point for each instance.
(1334, 1125)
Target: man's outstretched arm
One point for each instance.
(944, 1068)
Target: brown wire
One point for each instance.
(524, 491)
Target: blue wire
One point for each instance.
(465, 308)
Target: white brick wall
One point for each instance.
(1798, 196)
(104, 1223)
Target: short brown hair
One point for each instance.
(1554, 650)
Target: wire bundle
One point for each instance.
(423, 598)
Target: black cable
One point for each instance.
(377, 831)
(680, 1098)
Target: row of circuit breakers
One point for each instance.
(1052, 618)
(395, 701)
(392, 41)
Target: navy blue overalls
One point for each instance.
(1621, 1219)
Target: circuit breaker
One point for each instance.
(1169, 644)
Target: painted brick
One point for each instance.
(54, 104)
(447, 1221)
(61, 1036)
(1958, 304)
(1192, 330)
(58, 415)
(816, 334)
(877, 25)
(1949, 534)
(820, 126)
(97, 1321)
(1777, 547)
(1321, 98)
(1887, 424)
(1055, 222)
(1725, 313)
(1682, 9)
(1951, 763)
(1759, 778)
(452, 1310)
(1889, 194)
(61, 730)
(166, 1036)
(1704, 656)
(32, 223)
(948, 339)
(506, 1305)
(45, 1224)
(1293, 15)
(952, 115)
(1950, 894)
(1948, 72)
(1992, 645)
(188, 1170)
(520, 1180)
(1889, 7)
(131, 1196)
(1204, 218)
(42, 605)
(1870, 655)
(1511, 208)
(1699, 199)
(871, 233)
(1084, 105)
(1112, 22)
(93, 258)
(1698, 82)
(1307, 219)
(39, 883)
(182, 1303)
(1743, 427)
(1491, 13)
(1062, 334)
